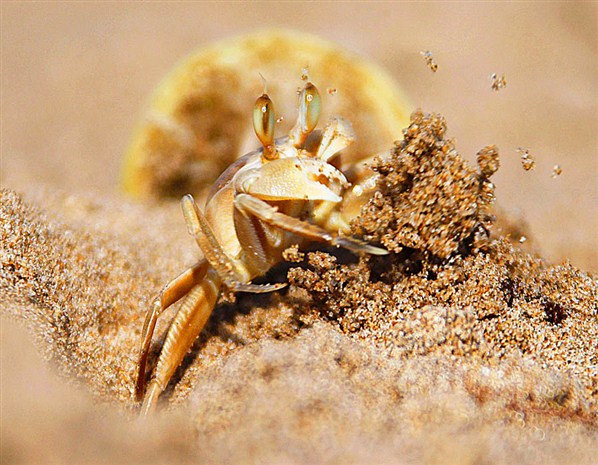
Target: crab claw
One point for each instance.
(338, 134)
(294, 179)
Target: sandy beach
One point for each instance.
(474, 341)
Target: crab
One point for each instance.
(287, 192)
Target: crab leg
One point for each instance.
(174, 290)
(268, 214)
(234, 276)
(186, 326)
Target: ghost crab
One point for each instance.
(284, 193)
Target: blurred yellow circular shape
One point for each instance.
(199, 119)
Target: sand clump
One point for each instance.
(457, 347)
(429, 198)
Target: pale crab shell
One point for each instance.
(295, 177)
(196, 124)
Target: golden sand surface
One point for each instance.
(463, 346)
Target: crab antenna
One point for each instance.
(309, 113)
(264, 120)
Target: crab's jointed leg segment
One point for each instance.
(248, 204)
(186, 326)
(200, 229)
(232, 274)
(174, 291)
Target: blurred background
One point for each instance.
(75, 77)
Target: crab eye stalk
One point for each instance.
(309, 113)
(264, 120)
(310, 108)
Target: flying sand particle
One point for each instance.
(498, 83)
(527, 161)
(556, 171)
(427, 54)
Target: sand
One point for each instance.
(468, 344)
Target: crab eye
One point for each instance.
(264, 120)
(309, 112)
